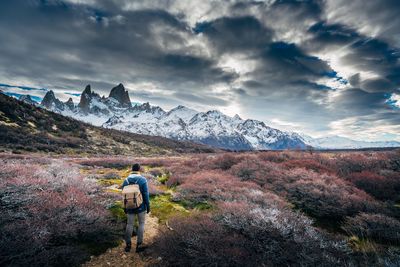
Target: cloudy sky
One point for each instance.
(321, 67)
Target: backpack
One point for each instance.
(132, 197)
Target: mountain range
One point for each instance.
(27, 127)
(185, 124)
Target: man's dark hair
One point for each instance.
(136, 167)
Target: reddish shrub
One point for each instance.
(224, 161)
(48, 214)
(382, 187)
(346, 163)
(326, 196)
(200, 241)
(156, 172)
(280, 236)
(107, 162)
(250, 169)
(308, 164)
(374, 226)
(274, 156)
(214, 185)
(242, 234)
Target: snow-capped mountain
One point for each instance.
(181, 123)
(339, 142)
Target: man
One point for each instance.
(136, 178)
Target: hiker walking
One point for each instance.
(136, 204)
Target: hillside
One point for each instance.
(25, 127)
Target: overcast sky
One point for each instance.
(328, 67)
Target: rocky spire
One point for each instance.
(70, 104)
(121, 95)
(85, 99)
(87, 90)
(50, 101)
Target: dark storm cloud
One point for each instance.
(354, 101)
(235, 34)
(309, 62)
(93, 43)
(331, 34)
(293, 63)
(373, 54)
(365, 54)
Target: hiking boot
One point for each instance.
(140, 248)
(128, 248)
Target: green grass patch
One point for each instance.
(163, 178)
(117, 211)
(164, 208)
(109, 182)
(203, 206)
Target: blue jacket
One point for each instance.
(136, 178)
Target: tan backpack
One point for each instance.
(132, 197)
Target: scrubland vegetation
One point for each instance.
(230, 209)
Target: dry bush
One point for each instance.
(156, 172)
(278, 236)
(309, 164)
(378, 227)
(214, 185)
(224, 161)
(274, 156)
(384, 187)
(326, 196)
(251, 169)
(107, 162)
(346, 163)
(200, 241)
(244, 234)
(49, 214)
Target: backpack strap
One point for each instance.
(126, 179)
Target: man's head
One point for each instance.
(136, 167)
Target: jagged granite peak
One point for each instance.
(70, 104)
(27, 99)
(146, 107)
(88, 90)
(51, 102)
(119, 93)
(85, 99)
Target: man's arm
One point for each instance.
(125, 183)
(145, 194)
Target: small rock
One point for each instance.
(159, 258)
(108, 263)
(124, 256)
(91, 257)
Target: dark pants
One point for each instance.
(130, 225)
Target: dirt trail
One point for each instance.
(118, 257)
